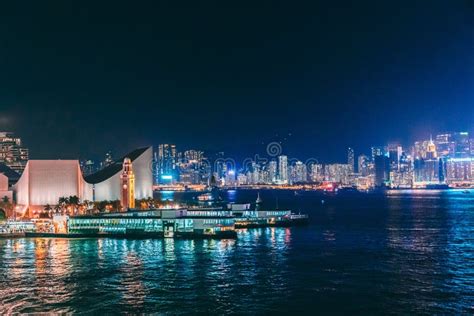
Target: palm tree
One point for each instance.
(74, 203)
(63, 203)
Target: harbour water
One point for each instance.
(403, 252)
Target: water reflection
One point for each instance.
(397, 253)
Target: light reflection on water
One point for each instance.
(398, 253)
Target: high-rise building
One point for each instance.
(377, 151)
(462, 149)
(298, 173)
(283, 169)
(337, 172)
(394, 154)
(108, 160)
(445, 145)
(88, 167)
(272, 171)
(382, 170)
(166, 161)
(350, 159)
(317, 172)
(363, 163)
(12, 153)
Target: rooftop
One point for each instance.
(114, 168)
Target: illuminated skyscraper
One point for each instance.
(350, 159)
(377, 151)
(272, 171)
(166, 163)
(283, 169)
(363, 165)
(382, 170)
(317, 172)
(462, 149)
(12, 153)
(394, 154)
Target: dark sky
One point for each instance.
(78, 78)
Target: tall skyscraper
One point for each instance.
(317, 172)
(283, 169)
(12, 153)
(363, 165)
(108, 160)
(377, 151)
(350, 159)
(382, 170)
(272, 171)
(462, 149)
(166, 163)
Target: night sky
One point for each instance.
(80, 78)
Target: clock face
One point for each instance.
(125, 186)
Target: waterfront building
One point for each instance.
(394, 155)
(43, 182)
(317, 172)
(460, 170)
(299, 173)
(167, 223)
(283, 169)
(337, 172)
(12, 153)
(382, 170)
(127, 182)
(242, 179)
(104, 185)
(363, 164)
(462, 149)
(445, 145)
(350, 159)
(272, 171)
(166, 163)
(429, 169)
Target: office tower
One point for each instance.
(108, 160)
(166, 163)
(377, 151)
(298, 173)
(272, 171)
(462, 149)
(445, 145)
(363, 165)
(88, 167)
(459, 170)
(12, 153)
(283, 169)
(337, 172)
(394, 154)
(382, 170)
(317, 172)
(431, 151)
(350, 159)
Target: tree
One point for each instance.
(6, 205)
(74, 203)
